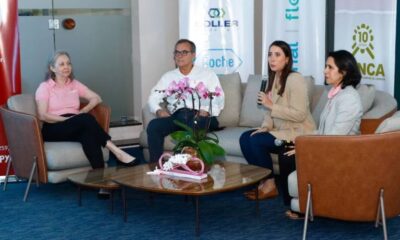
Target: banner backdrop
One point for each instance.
(223, 31)
(302, 25)
(368, 30)
(10, 72)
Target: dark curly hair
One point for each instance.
(347, 66)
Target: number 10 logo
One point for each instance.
(363, 40)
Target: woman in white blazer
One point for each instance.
(343, 111)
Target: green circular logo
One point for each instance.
(363, 40)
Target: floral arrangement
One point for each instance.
(174, 160)
(204, 142)
(177, 166)
(181, 90)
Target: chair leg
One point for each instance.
(7, 173)
(30, 180)
(311, 207)
(382, 214)
(378, 216)
(36, 173)
(309, 211)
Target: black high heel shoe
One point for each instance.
(103, 194)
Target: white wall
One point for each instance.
(155, 29)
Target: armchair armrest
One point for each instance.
(346, 174)
(25, 142)
(147, 116)
(102, 113)
(369, 125)
(384, 106)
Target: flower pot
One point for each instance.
(195, 165)
(190, 150)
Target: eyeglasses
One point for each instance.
(183, 53)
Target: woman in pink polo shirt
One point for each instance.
(58, 105)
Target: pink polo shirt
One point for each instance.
(61, 99)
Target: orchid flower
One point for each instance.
(183, 84)
(171, 89)
(202, 90)
(218, 91)
(206, 143)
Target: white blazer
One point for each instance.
(342, 114)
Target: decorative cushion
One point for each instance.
(292, 185)
(293, 191)
(295, 205)
(367, 95)
(66, 155)
(251, 114)
(231, 85)
(229, 139)
(390, 124)
(319, 106)
(310, 87)
(62, 175)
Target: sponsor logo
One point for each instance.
(219, 20)
(363, 40)
(292, 12)
(4, 158)
(216, 12)
(222, 61)
(295, 55)
(363, 45)
(291, 29)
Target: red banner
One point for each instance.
(10, 67)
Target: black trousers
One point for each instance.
(159, 128)
(287, 164)
(81, 128)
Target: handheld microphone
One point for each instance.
(263, 86)
(281, 142)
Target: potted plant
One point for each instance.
(202, 144)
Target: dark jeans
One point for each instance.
(287, 164)
(159, 128)
(256, 149)
(81, 128)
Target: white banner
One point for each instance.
(223, 33)
(302, 25)
(368, 30)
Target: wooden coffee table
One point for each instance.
(224, 176)
(95, 179)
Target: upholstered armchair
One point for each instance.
(34, 159)
(354, 178)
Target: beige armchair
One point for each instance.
(353, 178)
(34, 159)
